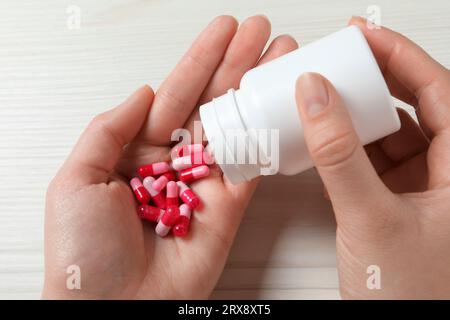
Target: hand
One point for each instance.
(91, 218)
(392, 205)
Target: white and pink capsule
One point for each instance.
(181, 227)
(187, 195)
(160, 183)
(153, 169)
(158, 197)
(171, 194)
(139, 190)
(150, 213)
(194, 173)
(192, 160)
(168, 219)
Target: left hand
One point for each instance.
(91, 218)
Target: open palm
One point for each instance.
(91, 219)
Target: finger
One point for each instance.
(279, 46)
(242, 54)
(217, 226)
(411, 74)
(336, 151)
(179, 93)
(407, 142)
(100, 146)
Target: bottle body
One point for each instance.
(266, 101)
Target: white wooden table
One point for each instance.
(53, 79)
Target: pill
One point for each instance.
(171, 194)
(184, 150)
(167, 220)
(139, 190)
(161, 229)
(181, 227)
(192, 160)
(194, 173)
(150, 213)
(153, 169)
(158, 197)
(162, 181)
(187, 195)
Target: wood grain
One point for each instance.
(54, 80)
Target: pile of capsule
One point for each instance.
(160, 185)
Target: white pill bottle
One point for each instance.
(234, 122)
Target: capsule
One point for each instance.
(171, 194)
(184, 150)
(188, 196)
(167, 220)
(139, 191)
(153, 169)
(162, 181)
(181, 227)
(158, 197)
(150, 213)
(195, 173)
(192, 160)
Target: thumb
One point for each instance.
(335, 149)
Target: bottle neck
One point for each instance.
(230, 139)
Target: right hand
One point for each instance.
(392, 205)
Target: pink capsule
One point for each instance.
(194, 173)
(171, 194)
(167, 220)
(181, 227)
(192, 160)
(162, 181)
(153, 169)
(161, 229)
(139, 191)
(188, 196)
(184, 150)
(150, 213)
(158, 197)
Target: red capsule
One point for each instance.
(162, 181)
(192, 160)
(171, 194)
(188, 196)
(195, 173)
(161, 229)
(181, 227)
(158, 197)
(150, 213)
(167, 220)
(170, 216)
(170, 175)
(139, 191)
(153, 169)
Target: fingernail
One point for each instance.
(313, 94)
